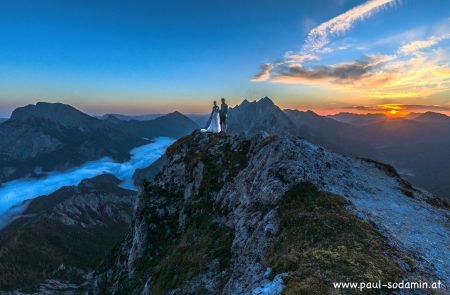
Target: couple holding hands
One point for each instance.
(218, 120)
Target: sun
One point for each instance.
(394, 110)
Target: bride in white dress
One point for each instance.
(214, 119)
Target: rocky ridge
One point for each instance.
(233, 215)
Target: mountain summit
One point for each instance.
(238, 215)
(259, 116)
(54, 112)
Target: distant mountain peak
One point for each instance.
(432, 117)
(262, 101)
(55, 112)
(176, 113)
(311, 113)
(266, 99)
(258, 116)
(307, 113)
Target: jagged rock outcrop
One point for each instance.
(259, 116)
(62, 237)
(233, 215)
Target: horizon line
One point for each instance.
(357, 110)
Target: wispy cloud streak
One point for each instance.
(321, 35)
(414, 46)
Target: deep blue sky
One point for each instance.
(145, 56)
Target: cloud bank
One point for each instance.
(341, 73)
(14, 193)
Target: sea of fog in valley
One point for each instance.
(13, 194)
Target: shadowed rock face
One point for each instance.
(232, 215)
(63, 236)
(253, 117)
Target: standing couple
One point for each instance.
(218, 120)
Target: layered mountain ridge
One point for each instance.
(55, 136)
(260, 210)
(239, 215)
(424, 138)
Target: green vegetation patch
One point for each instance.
(190, 255)
(320, 242)
(31, 254)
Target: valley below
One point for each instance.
(16, 194)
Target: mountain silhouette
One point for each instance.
(173, 125)
(259, 116)
(433, 117)
(55, 136)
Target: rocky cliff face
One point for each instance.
(64, 236)
(232, 215)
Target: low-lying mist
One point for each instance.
(13, 194)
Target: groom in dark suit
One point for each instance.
(223, 115)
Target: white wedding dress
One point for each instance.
(214, 126)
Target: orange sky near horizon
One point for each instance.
(390, 110)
